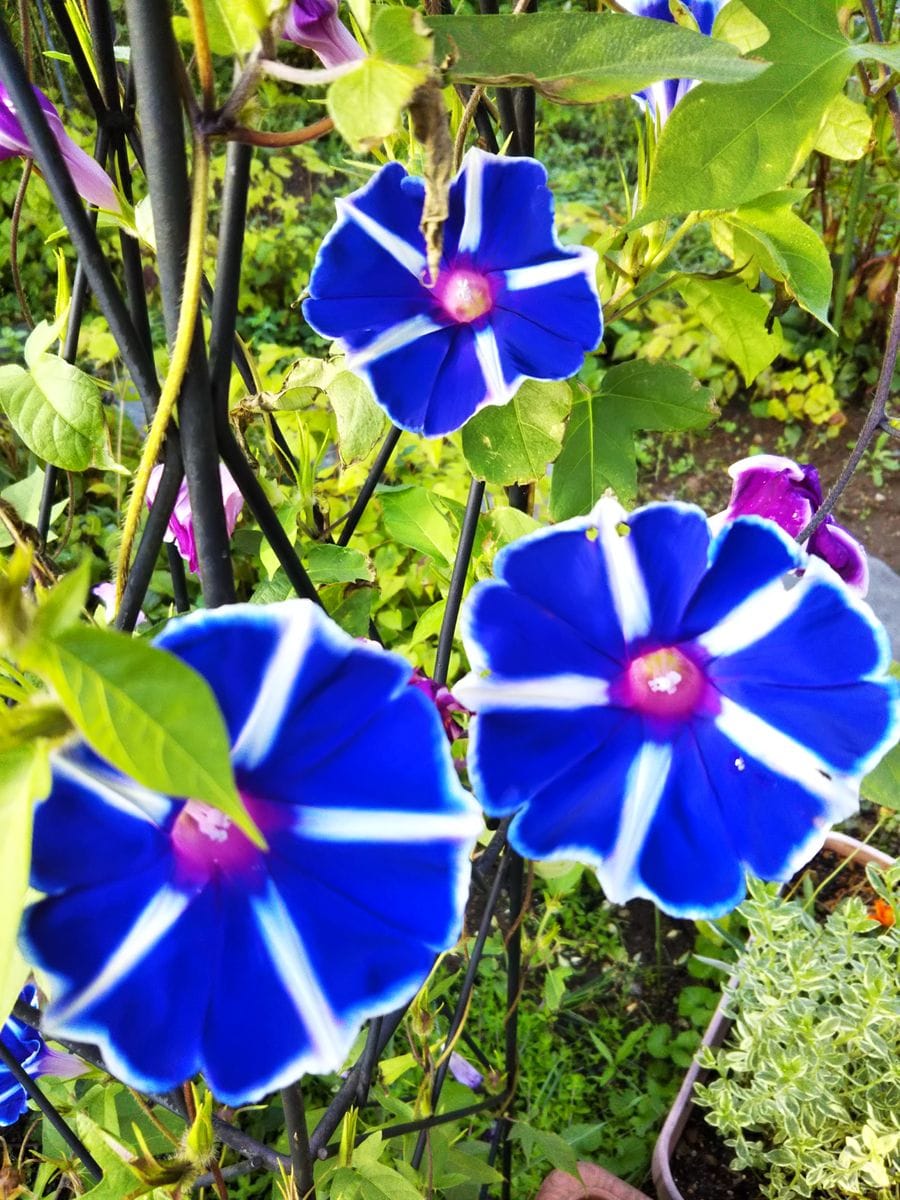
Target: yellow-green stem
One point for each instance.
(184, 336)
(666, 249)
(202, 53)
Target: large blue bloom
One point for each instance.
(668, 706)
(663, 96)
(177, 946)
(509, 303)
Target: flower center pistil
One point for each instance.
(205, 839)
(464, 295)
(664, 683)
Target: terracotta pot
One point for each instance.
(666, 1188)
(597, 1184)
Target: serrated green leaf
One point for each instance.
(24, 779)
(400, 36)
(737, 317)
(514, 442)
(233, 26)
(551, 1146)
(145, 711)
(724, 146)
(787, 249)
(62, 605)
(598, 451)
(336, 564)
(415, 517)
(366, 104)
(580, 58)
(55, 409)
(25, 497)
(882, 786)
(846, 129)
(360, 421)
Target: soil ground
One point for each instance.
(694, 467)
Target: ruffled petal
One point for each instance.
(843, 553)
(432, 385)
(812, 678)
(578, 812)
(671, 545)
(545, 332)
(508, 211)
(748, 556)
(95, 826)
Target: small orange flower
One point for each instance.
(883, 913)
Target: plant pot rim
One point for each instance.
(673, 1127)
(597, 1184)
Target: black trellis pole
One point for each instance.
(462, 1002)
(11, 1063)
(221, 351)
(154, 62)
(458, 579)
(354, 515)
(53, 167)
(298, 1140)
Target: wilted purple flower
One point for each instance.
(316, 25)
(445, 702)
(181, 522)
(463, 1071)
(167, 932)
(91, 181)
(509, 303)
(34, 1056)
(790, 494)
(668, 706)
(664, 95)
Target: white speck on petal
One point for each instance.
(668, 683)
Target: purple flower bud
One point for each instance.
(789, 494)
(445, 702)
(92, 182)
(316, 25)
(181, 522)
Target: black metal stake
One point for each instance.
(458, 579)
(298, 1141)
(354, 516)
(11, 1063)
(154, 58)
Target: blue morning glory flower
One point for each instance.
(34, 1056)
(664, 95)
(177, 946)
(667, 706)
(509, 303)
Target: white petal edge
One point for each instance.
(116, 790)
(294, 968)
(643, 791)
(385, 825)
(396, 337)
(150, 927)
(567, 691)
(784, 756)
(626, 583)
(519, 279)
(263, 725)
(754, 618)
(472, 170)
(401, 251)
